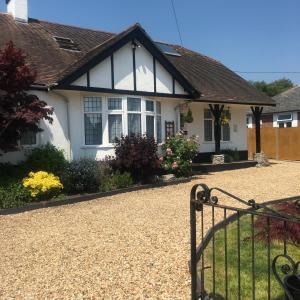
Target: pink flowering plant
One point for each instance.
(178, 154)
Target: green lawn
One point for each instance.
(261, 264)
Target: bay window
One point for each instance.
(120, 116)
(115, 128)
(134, 116)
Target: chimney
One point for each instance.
(18, 9)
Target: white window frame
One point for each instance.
(94, 112)
(31, 145)
(213, 129)
(124, 113)
(119, 112)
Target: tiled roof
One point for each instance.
(209, 77)
(286, 101)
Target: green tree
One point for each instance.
(273, 88)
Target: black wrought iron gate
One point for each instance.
(246, 250)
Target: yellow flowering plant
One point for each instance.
(42, 185)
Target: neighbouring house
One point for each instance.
(102, 85)
(286, 113)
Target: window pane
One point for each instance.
(158, 108)
(134, 104)
(289, 124)
(134, 124)
(28, 138)
(150, 126)
(149, 105)
(285, 117)
(226, 132)
(207, 114)
(170, 129)
(92, 104)
(158, 129)
(208, 130)
(115, 103)
(114, 127)
(93, 129)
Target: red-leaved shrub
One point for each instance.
(278, 230)
(137, 155)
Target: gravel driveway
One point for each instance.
(128, 246)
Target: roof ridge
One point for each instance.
(287, 91)
(73, 26)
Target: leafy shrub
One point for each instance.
(81, 176)
(278, 230)
(14, 195)
(116, 181)
(178, 155)
(46, 157)
(138, 156)
(42, 185)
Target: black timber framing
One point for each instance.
(112, 69)
(140, 35)
(154, 73)
(88, 82)
(173, 85)
(257, 112)
(134, 45)
(122, 92)
(216, 111)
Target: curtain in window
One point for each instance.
(150, 126)
(93, 128)
(114, 127)
(208, 130)
(134, 124)
(226, 132)
(158, 129)
(115, 103)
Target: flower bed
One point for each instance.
(47, 175)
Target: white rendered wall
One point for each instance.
(123, 68)
(81, 81)
(238, 128)
(144, 70)
(55, 133)
(100, 75)
(164, 81)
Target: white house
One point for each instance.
(102, 85)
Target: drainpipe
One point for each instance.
(66, 100)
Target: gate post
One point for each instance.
(193, 265)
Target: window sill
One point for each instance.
(213, 142)
(105, 146)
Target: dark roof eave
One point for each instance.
(235, 102)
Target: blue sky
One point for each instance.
(253, 35)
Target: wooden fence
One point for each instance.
(277, 143)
